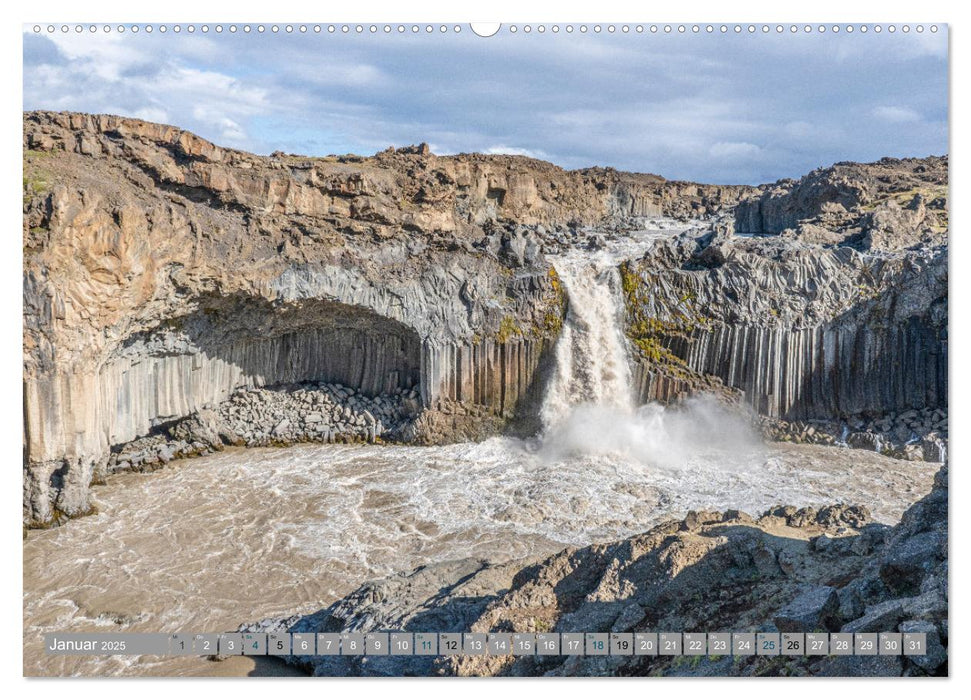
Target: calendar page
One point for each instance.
(516, 349)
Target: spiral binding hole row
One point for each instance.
(512, 29)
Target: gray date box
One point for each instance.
(597, 644)
(866, 643)
(352, 644)
(548, 644)
(426, 644)
(450, 643)
(621, 644)
(181, 645)
(303, 644)
(231, 644)
(328, 644)
(523, 644)
(254, 644)
(891, 643)
(720, 644)
(571, 643)
(915, 643)
(793, 644)
(500, 644)
(402, 644)
(377, 644)
(817, 644)
(474, 644)
(278, 644)
(205, 644)
(645, 643)
(695, 643)
(743, 644)
(767, 643)
(841, 644)
(669, 643)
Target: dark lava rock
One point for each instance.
(936, 653)
(813, 611)
(905, 564)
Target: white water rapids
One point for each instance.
(209, 543)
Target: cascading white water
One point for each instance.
(589, 407)
(591, 353)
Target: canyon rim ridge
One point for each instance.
(181, 298)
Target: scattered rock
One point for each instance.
(905, 563)
(813, 611)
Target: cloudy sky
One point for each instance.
(712, 108)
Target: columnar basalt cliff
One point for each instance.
(163, 275)
(842, 313)
(803, 332)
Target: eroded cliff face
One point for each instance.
(818, 298)
(163, 273)
(887, 205)
(803, 331)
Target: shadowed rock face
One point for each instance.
(789, 570)
(163, 274)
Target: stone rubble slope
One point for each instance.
(274, 416)
(794, 570)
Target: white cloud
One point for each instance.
(335, 71)
(514, 151)
(150, 114)
(895, 114)
(799, 129)
(714, 109)
(735, 150)
(116, 75)
(231, 131)
(107, 56)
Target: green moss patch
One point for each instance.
(647, 333)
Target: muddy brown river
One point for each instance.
(210, 543)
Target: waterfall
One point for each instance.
(590, 409)
(591, 353)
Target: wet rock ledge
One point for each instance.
(912, 435)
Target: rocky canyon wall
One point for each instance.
(163, 273)
(803, 332)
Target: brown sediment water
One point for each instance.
(208, 544)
